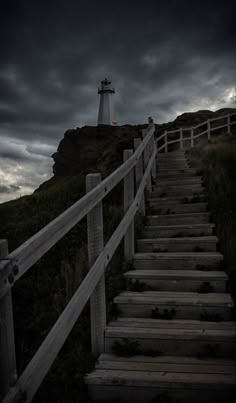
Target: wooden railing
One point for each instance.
(136, 171)
(204, 128)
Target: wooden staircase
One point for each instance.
(174, 338)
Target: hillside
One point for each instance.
(41, 295)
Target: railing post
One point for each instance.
(228, 124)
(181, 138)
(208, 129)
(95, 246)
(154, 167)
(8, 374)
(146, 156)
(128, 199)
(192, 137)
(166, 142)
(139, 174)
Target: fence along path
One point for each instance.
(18, 262)
(140, 165)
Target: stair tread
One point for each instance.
(174, 202)
(208, 238)
(171, 323)
(174, 298)
(168, 363)
(181, 226)
(141, 371)
(183, 215)
(177, 274)
(188, 361)
(165, 255)
(169, 333)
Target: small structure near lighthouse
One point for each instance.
(106, 111)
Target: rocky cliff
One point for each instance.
(100, 148)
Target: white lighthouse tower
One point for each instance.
(105, 114)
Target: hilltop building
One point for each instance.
(106, 110)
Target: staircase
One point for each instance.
(174, 339)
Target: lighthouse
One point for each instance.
(105, 113)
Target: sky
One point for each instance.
(163, 58)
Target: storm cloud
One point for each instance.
(163, 57)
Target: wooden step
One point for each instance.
(170, 185)
(179, 181)
(178, 280)
(189, 199)
(181, 305)
(173, 155)
(175, 337)
(176, 172)
(177, 231)
(184, 191)
(188, 244)
(172, 206)
(152, 379)
(178, 261)
(184, 218)
(178, 175)
(172, 165)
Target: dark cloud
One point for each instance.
(163, 57)
(9, 189)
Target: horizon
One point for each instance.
(50, 74)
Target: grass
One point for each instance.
(217, 163)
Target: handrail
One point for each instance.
(20, 260)
(34, 248)
(35, 372)
(193, 136)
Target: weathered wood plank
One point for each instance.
(8, 373)
(95, 247)
(139, 173)
(34, 248)
(128, 199)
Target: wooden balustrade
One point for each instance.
(181, 139)
(8, 374)
(12, 266)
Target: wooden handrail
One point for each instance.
(35, 372)
(191, 129)
(22, 259)
(27, 254)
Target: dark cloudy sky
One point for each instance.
(163, 57)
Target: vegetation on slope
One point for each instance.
(217, 161)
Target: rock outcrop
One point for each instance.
(90, 149)
(100, 148)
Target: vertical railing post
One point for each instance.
(181, 138)
(128, 199)
(166, 142)
(208, 129)
(154, 167)
(8, 374)
(95, 246)
(146, 156)
(228, 124)
(192, 137)
(139, 174)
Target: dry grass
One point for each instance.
(217, 160)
